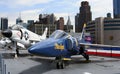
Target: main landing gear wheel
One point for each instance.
(17, 52)
(86, 56)
(60, 65)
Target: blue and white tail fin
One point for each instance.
(44, 35)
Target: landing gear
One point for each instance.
(60, 64)
(86, 56)
(83, 52)
(17, 52)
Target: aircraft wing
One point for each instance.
(97, 45)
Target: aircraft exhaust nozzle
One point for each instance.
(7, 33)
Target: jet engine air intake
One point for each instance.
(7, 33)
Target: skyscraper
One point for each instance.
(60, 23)
(77, 23)
(29, 22)
(68, 24)
(116, 8)
(83, 16)
(47, 19)
(19, 20)
(3, 23)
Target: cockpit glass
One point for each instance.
(58, 34)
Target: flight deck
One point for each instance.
(30, 64)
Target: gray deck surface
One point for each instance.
(46, 65)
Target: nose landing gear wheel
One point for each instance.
(60, 65)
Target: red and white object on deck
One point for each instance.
(105, 50)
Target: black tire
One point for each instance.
(86, 56)
(17, 52)
(60, 65)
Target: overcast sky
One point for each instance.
(30, 9)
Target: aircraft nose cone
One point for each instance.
(40, 48)
(31, 49)
(7, 33)
(43, 47)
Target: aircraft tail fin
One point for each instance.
(44, 35)
(84, 38)
(83, 32)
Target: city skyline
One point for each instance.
(30, 9)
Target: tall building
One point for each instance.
(39, 28)
(60, 23)
(3, 23)
(19, 20)
(30, 22)
(46, 19)
(116, 8)
(68, 24)
(104, 31)
(76, 22)
(83, 16)
(68, 27)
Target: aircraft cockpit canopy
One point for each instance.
(17, 27)
(58, 34)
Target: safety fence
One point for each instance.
(3, 66)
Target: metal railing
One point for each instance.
(2, 66)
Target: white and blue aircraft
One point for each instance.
(20, 36)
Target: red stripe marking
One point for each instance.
(91, 53)
(115, 55)
(104, 54)
(100, 54)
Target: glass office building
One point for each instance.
(116, 8)
(3, 23)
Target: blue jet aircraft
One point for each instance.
(60, 45)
